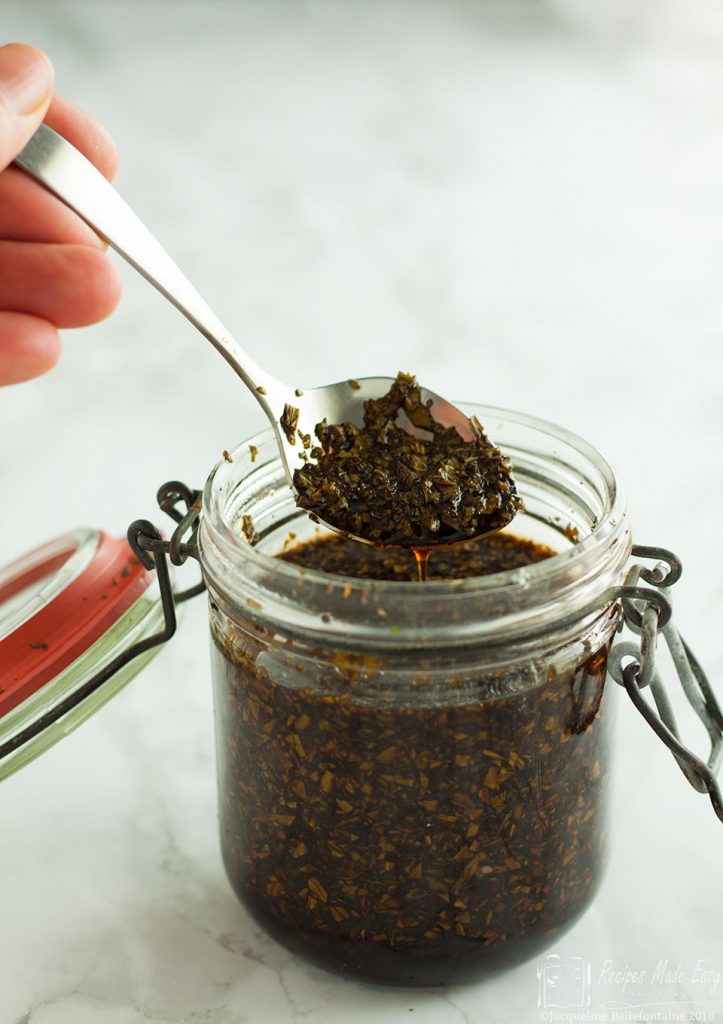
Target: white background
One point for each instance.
(520, 202)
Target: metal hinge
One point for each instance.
(632, 665)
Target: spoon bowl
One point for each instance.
(344, 402)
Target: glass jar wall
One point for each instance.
(412, 778)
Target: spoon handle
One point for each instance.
(65, 172)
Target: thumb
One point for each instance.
(26, 88)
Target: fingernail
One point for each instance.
(26, 77)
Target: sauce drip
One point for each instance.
(421, 556)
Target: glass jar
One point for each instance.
(412, 778)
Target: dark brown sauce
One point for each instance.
(409, 843)
(421, 557)
(478, 557)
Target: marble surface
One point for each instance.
(522, 202)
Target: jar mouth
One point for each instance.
(573, 502)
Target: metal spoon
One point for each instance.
(64, 171)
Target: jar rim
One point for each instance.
(584, 570)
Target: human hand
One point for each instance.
(54, 270)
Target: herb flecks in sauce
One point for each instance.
(340, 556)
(388, 486)
(412, 841)
(289, 422)
(248, 529)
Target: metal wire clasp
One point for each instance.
(152, 550)
(150, 547)
(648, 613)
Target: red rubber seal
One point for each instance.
(71, 622)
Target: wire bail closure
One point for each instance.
(150, 547)
(152, 551)
(632, 664)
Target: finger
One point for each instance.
(29, 213)
(26, 84)
(69, 285)
(29, 346)
(85, 134)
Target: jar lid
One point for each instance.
(66, 610)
